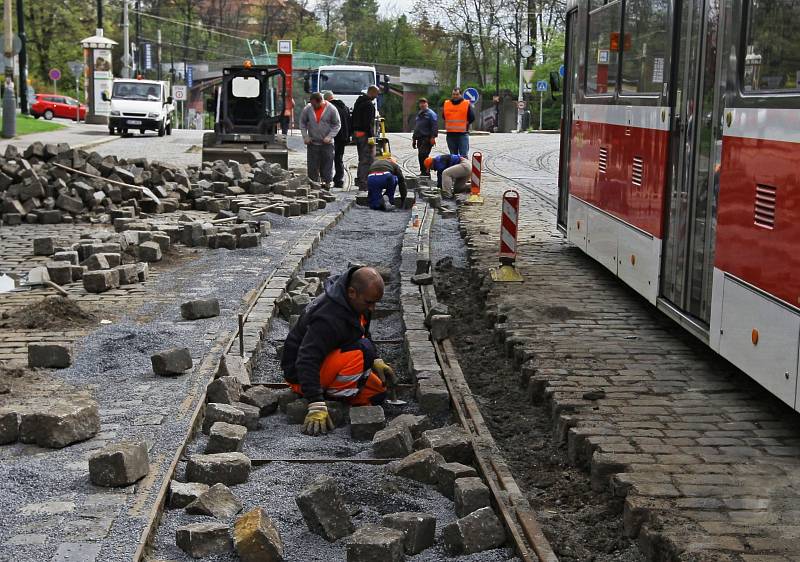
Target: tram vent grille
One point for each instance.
(602, 163)
(637, 172)
(764, 215)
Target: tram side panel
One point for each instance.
(616, 189)
(755, 322)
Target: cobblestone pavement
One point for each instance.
(708, 463)
(48, 508)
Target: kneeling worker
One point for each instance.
(383, 178)
(452, 171)
(329, 354)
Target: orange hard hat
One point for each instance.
(428, 162)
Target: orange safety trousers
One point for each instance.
(344, 377)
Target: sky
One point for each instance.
(392, 7)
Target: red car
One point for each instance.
(52, 105)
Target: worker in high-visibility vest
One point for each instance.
(328, 354)
(458, 115)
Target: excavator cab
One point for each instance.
(248, 106)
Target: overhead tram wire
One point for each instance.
(182, 23)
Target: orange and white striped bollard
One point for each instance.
(475, 184)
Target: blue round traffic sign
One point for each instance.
(561, 70)
(471, 95)
(55, 74)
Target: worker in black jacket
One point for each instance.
(364, 132)
(341, 139)
(329, 354)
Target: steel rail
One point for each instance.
(222, 346)
(519, 519)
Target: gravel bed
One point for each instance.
(363, 236)
(367, 237)
(370, 491)
(114, 362)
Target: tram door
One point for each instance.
(567, 105)
(689, 239)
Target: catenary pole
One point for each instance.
(126, 42)
(23, 59)
(458, 67)
(9, 98)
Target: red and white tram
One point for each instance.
(680, 166)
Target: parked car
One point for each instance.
(52, 105)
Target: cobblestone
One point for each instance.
(681, 434)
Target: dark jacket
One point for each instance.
(426, 124)
(386, 165)
(441, 163)
(470, 113)
(327, 324)
(343, 136)
(364, 115)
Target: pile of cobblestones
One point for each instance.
(54, 183)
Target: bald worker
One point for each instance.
(329, 355)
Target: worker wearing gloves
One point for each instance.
(319, 125)
(384, 177)
(329, 355)
(452, 171)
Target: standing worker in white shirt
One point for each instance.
(319, 125)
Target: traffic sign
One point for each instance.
(471, 95)
(520, 105)
(527, 76)
(189, 76)
(179, 93)
(562, 70)
(76, 68)
(148, 56)
(54, 74)
(16, 43)
(541, 86)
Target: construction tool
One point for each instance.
(391, 391)
(383, 148)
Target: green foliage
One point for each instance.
(54, 29)
(551, 106)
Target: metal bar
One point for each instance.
(530, 542)
(353, 460)
(158, 507)
(241, 335)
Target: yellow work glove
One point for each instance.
(371, 141)
(317, 421)
(384, 371)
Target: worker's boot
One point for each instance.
(326, 186)
(387, 206)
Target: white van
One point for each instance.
(347, 82)
(143, 105)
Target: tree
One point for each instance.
(54, 29)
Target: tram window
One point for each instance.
(644, 46)
(772, 56)
(602, 57)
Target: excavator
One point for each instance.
(248, 106)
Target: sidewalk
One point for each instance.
(76, 134)
(706, 460)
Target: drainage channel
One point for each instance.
(284, 463)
